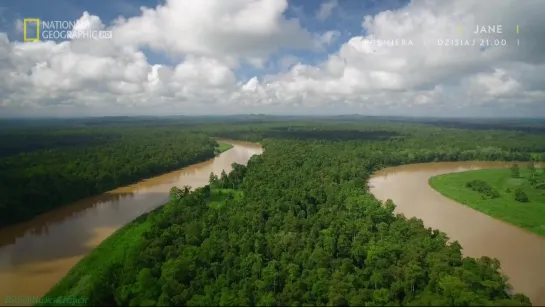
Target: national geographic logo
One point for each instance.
(31, 24)
(35, 30)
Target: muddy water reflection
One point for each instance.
(36, 254)
(521, 253)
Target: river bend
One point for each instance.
(521, 253)
(36, 254)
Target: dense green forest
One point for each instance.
(41, 169)
(406, 142)
(298, 226)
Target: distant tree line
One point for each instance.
(39, 174)
(410, 143)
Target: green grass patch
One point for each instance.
(219, 196)
(222, 147)
(528, 215)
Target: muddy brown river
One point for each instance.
(521, 253)
(36, 254)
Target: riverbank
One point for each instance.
(497, 195)
(39, 181)
(37, 254)
(223, 146)
(305, 225)
(520, 252)
(87, 277)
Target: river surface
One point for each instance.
(521, 253)
(35, 255)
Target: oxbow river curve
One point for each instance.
(520, 252)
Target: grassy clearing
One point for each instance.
(528, 215)
(219, 196)
(223, 147)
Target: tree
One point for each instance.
(175, 193)
(212, 178)
(531, 167)
(532, 171)
(206, 191)
(483, 188)
(224, 179)
(515, 171)
(520, 196)
(60, 166)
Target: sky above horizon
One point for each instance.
(313, 57)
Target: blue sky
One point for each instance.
(346, 18)
(217, 43)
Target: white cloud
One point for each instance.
(288, 61)
(210, 38)
(236, 28)
(19, 27)
(409, 76)
(496, 84)
(326, 8)
(326, 38)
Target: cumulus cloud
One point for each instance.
(288, 61)
(407, 75)
(327, 38)
(326, 8)
(401, 62)
(236, 28)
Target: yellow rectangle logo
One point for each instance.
(26, 21)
